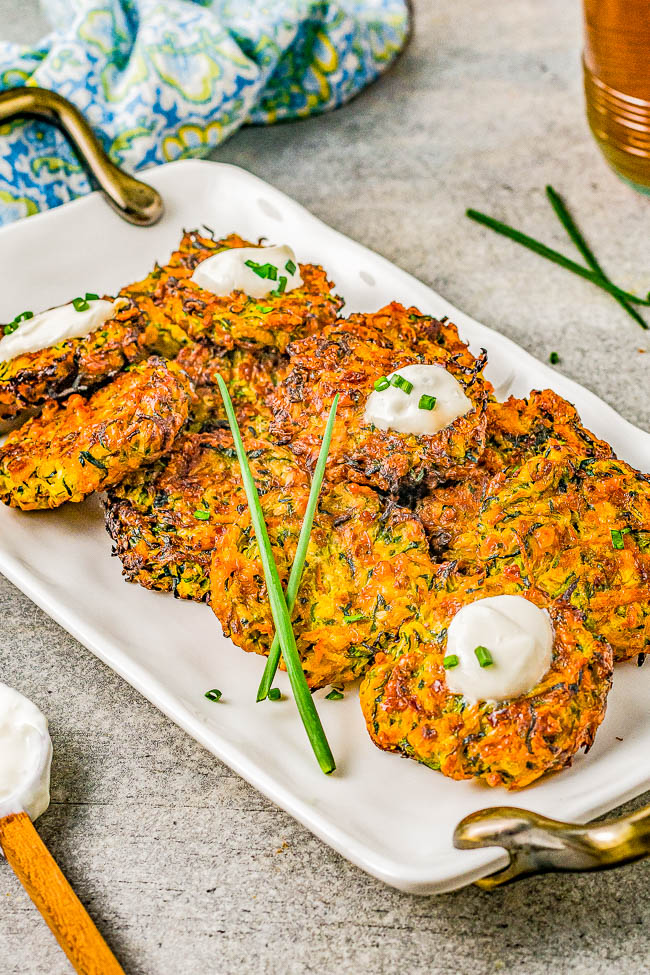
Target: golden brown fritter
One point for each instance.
(162, 314)
(251, 377)
(85, 445)
(341, 361)
(516, 431)
(409, 710)
(366, 572)
(167, 520)
(578, 529)
(237, 320)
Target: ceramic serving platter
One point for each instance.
(391, 817)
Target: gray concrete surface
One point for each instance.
(185, 867)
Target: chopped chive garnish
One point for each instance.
(264, 309)
(617, 537)
(483, 656)
(269, 271)
(554, 358)
(80, 304)
(12, 326)
(427, 402)
(290, 267)
(279, 611)
(355, 618)
(334, 695)
(275, 694)
(280, 288)
(381, 384)
(91, 296)
(450, 661)
(213, 695)
(401, 383)
(301, 550)
(202, 515)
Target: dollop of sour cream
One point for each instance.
(56, 325)
(228, 271)
(518, 637)
(394, 409)
(25, 756)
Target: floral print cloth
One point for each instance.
(160, 80)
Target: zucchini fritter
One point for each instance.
(516, 431)
(578, 529)
(366, 571)
(343, 359)
(85, 445)
(167, 520)
(408, 708)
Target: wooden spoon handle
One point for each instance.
(64, 913)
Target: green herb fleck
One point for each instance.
(483, 656)
(401, 383)
(274, 694)
(554, 358)
(12, 326)
(290, 267)
(264, 309)
(334, 695)
(355, 618)
(80, 304)
(382, 383)
(427, 402)
(268, 271)
(213, 695)
(202, 515)
(617, 537)
(450, 661)
(91, 296)
(280, 288)
(86, 457)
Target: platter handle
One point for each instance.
(539, 845)
(134, 201)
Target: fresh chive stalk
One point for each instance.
(281, 618)
(555, 257)
(301, 551)
(571, 228)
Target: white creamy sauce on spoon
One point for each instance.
(50, 327)
(498, 648)
(25, 756)
(408, 407)
(257, 271)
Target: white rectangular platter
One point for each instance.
(392, 817)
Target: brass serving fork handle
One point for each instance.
(131, 199)
(540, 845)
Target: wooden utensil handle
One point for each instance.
(64, 913)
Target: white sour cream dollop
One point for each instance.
(227, 271)
(56, 325)
(393, 409)
(519, 638)
(25, 756)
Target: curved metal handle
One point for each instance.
(132, 200)
(540, 845)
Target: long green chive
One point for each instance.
(450, 661)
(401, 383)
(571, 228)
(555, 257)
(381, 384)
(275, 694)
(301, 550)
(281, 618)
(356, 618)
(80, 304)
(202, 515)
(213, 695)
(290, 267)
(334, 695)
(427, 402)
(483, 656)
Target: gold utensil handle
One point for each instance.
(64, 913)
(540, 845)
(131, 199)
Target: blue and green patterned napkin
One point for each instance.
(167, 79)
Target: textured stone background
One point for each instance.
(184, 866)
